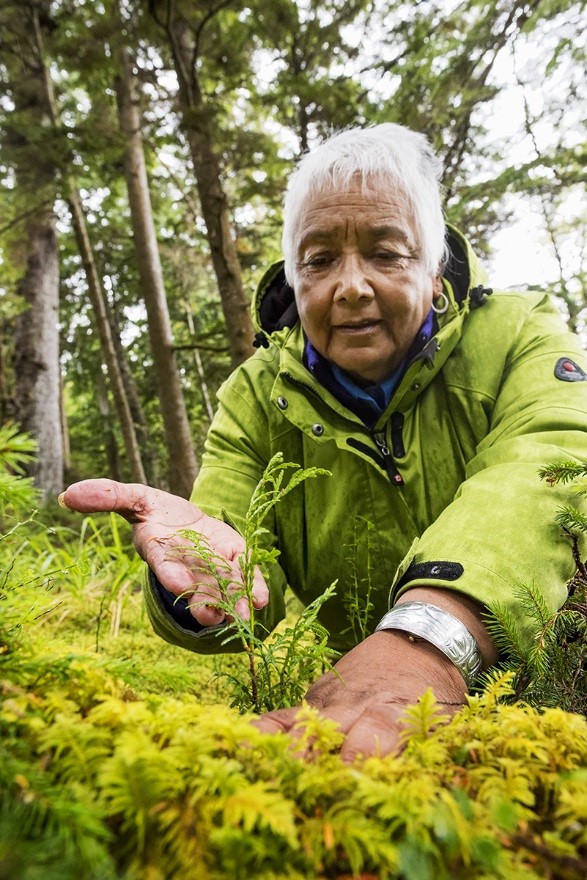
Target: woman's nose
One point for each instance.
(352, 283)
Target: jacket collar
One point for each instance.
(276, 317)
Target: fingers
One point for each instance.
(374, 734)
(204, 609)
(222, 595)
(260, 591)
(287, 721)
(213, 595)
(131, 500)
(278, 721)
(210, 606)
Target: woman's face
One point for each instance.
(361, 287)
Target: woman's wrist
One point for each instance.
(390, 660)
(468, 611)
(423, 621)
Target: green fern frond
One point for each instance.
(420, 719)
(16, 491)
(534, 604)
(257, 808)
(498, 685)
(357, 598)
(16, 448)
(318, 735)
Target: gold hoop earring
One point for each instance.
(444, 307)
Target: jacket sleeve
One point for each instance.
(236, 454)
(499, 533)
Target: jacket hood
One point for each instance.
(274, 307)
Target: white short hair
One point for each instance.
(386, 154)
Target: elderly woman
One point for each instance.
(383, 358)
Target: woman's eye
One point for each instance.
(317, 261)
(389, 256)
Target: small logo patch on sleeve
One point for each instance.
(441, 571)
(569, 371)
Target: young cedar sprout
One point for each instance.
(281, 666)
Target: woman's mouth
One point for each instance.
(357, 327)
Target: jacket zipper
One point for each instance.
(397, 441)
(388, 463)
(392, 472)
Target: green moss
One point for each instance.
(121, 760)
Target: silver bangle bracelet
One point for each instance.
(439, 628)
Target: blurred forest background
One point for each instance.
(144, 150)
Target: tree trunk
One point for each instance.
(196, 120)
(64, 430)
(110, 444)
(107, 346)
(199, 367)
(3, 382)
(36, 397)
(94, 287)
(148, 456)
(36, 355)
(182, 465)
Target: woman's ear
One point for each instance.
(437, 286)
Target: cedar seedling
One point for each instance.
(280, 667)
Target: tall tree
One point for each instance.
(182, 466)
(36, 395)
(104, 328)
(185, 32)
(311, 46)
(99, 304)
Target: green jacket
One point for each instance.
(476, 414)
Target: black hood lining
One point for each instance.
(278, 310)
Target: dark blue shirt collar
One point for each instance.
(367, 402)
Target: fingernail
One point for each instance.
(61, 500)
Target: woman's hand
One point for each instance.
(370, 689)
(156, 517)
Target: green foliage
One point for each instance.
(564, 472)
(99, 556)
(16, 449)
(119, 766)
(357, 601)
(554, 671)
(167, 788)
(274, 76)
(275, 678)
(17, 494)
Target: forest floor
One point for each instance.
(120, 758)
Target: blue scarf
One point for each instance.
(366, 401)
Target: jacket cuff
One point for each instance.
(173, 622)
(175, 606)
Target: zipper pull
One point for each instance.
(392, 472)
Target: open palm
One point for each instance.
(156, 518)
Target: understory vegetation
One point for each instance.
(120, 756)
